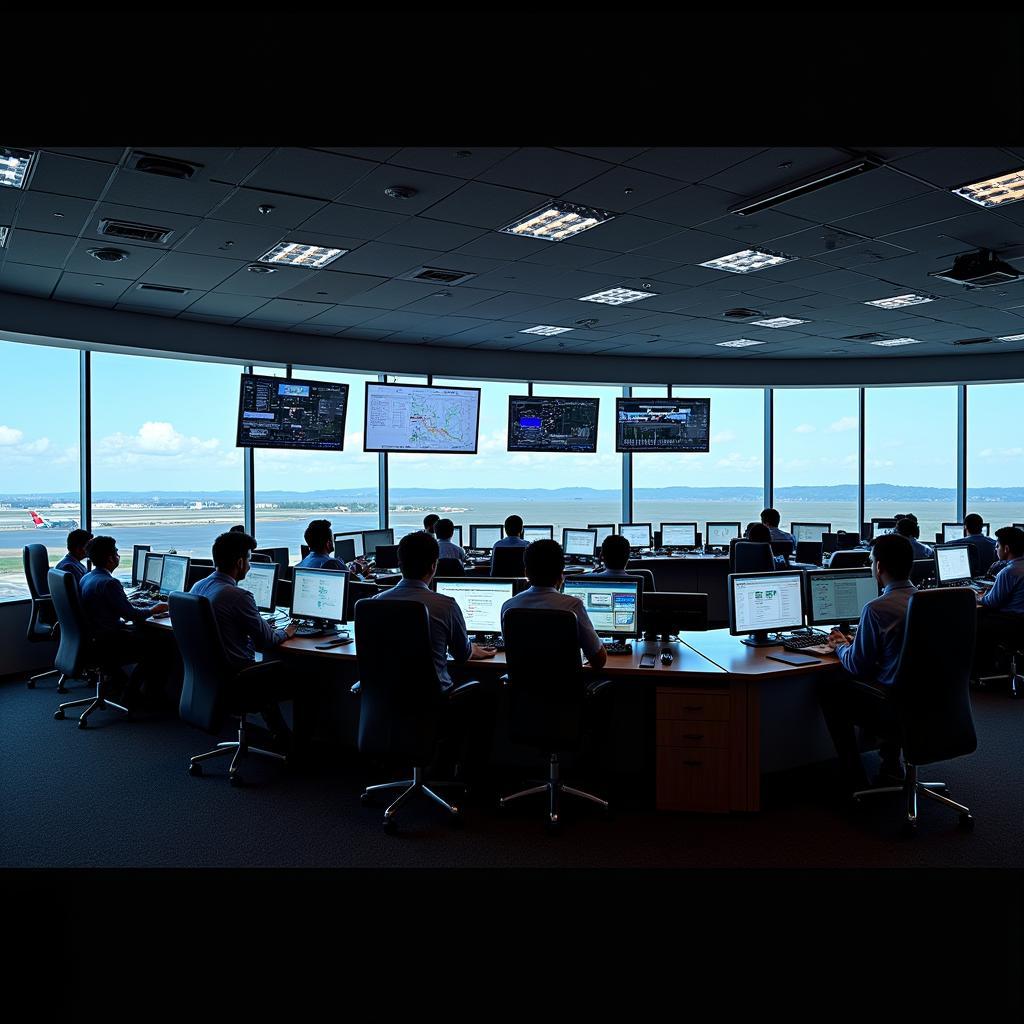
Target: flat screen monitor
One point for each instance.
(355, 539)
(836, 596)
(485, 536)
(319, 594)
(371, 538)
(881, 526)
(174, 574)
(154, 568)
(549, 424)
(638, 534)
(613, 605)
(479, 599)
(718, 535)
(809, 531)
(421, 418)
(670, 613)
(283, 412)
(386, 556)
(955, 531)
(679, 535)
(278, 555)
(662, 424)
(765, 602)
(139, 563)
(532, 533)
(579, 542)
(952, 563)
(261, 582)
(603, 530)
(456, 537)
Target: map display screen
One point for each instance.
(282, 412)
(418, 418)
(550, 424)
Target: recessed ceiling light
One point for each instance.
(255, 268)
(1007, 188)
(3, 237)
(14, 165)
(747, 260)
(555, 222)
(895, 342)
(900, 300)
(616, 296)
(779, 321)
(545, 329)
(296, 254)
(738, 343)
(1012, 337)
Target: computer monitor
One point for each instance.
(319, 594)
(371, 538)
(174, 574)
(154, 570)
(613, 605)
(386, 556)
(480, 599)
(952, 563)
(679, 535)
(356, 539)
(279, 555)
(638, 534)
(532, 533)
(345, 548)
(261, 582)
(579, 543)
(880, 526)
(718, 535)
(835, 597)
(667, 613)
(809, 531)
(485, 536)
(456, 536)
(603, 530)
(955, 531)
(139, 563)
(765, 602)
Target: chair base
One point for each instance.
(411, 787)
(554, 787)
(240, 748)
(91, 704)
(910, 789)
(61, 688)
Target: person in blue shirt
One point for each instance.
(771, 518)
(907, 526)
(984, 546)
(430, 522)
(758, 533)
(870, 659)
(444, 530)
(513, 537)
(615, 551)
(72, 561)
(1001, 608)
(319, 538)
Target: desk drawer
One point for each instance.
(692, 779)
(700, 707)
(683, 733)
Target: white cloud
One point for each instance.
(880, 463)
(723, 437)
(36, 447)
(741, 462)
(157, 444)
(805, 428)
(846, 423)
(10, 435)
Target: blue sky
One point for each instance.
(165, 424)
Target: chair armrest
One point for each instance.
(503, 680)
(597, 687)
(356, 688)
(459, 692)
(257, 671)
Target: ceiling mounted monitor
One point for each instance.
(662, 424)
(548, 424)
(283, 412)
(421, 418)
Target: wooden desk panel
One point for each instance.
(737, 659)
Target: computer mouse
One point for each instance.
(666, 657)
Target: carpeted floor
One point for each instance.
(118, 795)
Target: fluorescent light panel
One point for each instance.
(297, 254)
(804, 186)
(738, 343)
(779, 321)
(3, 236)
(545, 330)
(616, 296)
(14, 165)
(897, 301)
(747, 260)
(554, 222)
(1012, 337)
(1007, 188)
(895, 342)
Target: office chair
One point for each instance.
(751, 556)
(401, 701)
(77, 656)
(547, 695)
(356, 592)
(931, 704)
(508, 562)
(647, 575)
(213, 688)
(42, 620)
(922, 569)
(850, 560)
(782, 547)
(450, 567)
(808, 552)
(255, 556)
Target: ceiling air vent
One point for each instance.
(974, 341)
(741, 313)
(437, 275)
(166, 288)
(165, 166)
(134, 232)
(981, 269)
(866, 337)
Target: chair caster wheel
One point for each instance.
(390, 826)
(1014, 694)
(31, 684)
(553, 826)
(60, 689)
(235, 779)
(909, 829)
(967, 822)
(455, 819)
(195, 769)
(83, 723)
(365, 799)
(58, 715)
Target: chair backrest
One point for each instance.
(976, 558)
(850, 559)
(546, 682)
(809, 552)
(646, 575)
(207, 672)
(356, 591)
(782, 547)
(76, 640)
(508, 562)
(36, 560)
(751, 556)
(400, 698)
(449, 567)
(197, 573)
(932, 684)
(255, 556)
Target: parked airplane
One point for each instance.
(52, 524)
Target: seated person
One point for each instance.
(545, 563)
(907, 526)
(1001, 608)
(320, 539)
(771, 518)
(72, 561)
(444, 530)
(243, 631)
(862, 697)
(430, 522)
(758, 533)
(237, 529)
(513, 537)
(984, 546)
(615, 551)
(107, 610)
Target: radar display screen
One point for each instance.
(662, 424)
(552, 424)
(421, 418)
(282, 412)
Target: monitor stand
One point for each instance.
(759, 638)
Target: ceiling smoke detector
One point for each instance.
(108, 255)
(399, 192)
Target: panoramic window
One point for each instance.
(39, 466)
(995, 453)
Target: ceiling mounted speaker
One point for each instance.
(108, 255)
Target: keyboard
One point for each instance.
(979, 586)
(497, 642)
(309, 631)
(617, 647)
(802, 641)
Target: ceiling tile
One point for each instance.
(911, 213)
(154, 192)
(106, 154)
(692, 163)
(288, 211)
(17, 277)
(226, 306)
(690, 206)
(620, 189)
(68, 176)
(550, 171)
(39, 212)
(495, 245)
(385, 260)
(224, 164)
(310, 173)
(774, 168)
(505, 305)
(610, 154)
(821, 238)
(486, 206)
(228, 240)
(144, 300)
(430, 234)
(393, 294)
(344, 316)
(377, 154)
(951, 166)
(38, 248)
(291, 310)
(623, 234)
(184, 270)
(245, 282)
(368, 192)
(447, 301)
(338, 219)
(443, 159)
(864, 253)
(96, 290)
(854, 195)
(337, 287)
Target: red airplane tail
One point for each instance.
(36, 518)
